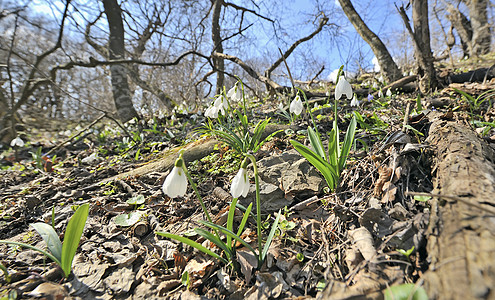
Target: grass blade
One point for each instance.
(228, 232)
(244, 219)
(192, 244)
(72, 237)
(269, 238)
(215, 240)
(328, 171)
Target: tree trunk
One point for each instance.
(482, 37)
(218, 62)
(463, 27)
(387, 64)
(120, 86)
(421, 40)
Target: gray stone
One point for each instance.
(283, 178)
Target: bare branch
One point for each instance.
(249, 70)
(247, 10)
(323, 22)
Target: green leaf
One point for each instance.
(228, 232)
(50, 237)
(405, 291)
(348, 141)
(230, 220)
(72, 237)
(328, 171)
(422, 198)
(137, 200)
(315, 141)
(215, 240)
(244, 219)
(270, 238)
(192, 244)
(126, 220)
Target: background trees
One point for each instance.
(69, 59)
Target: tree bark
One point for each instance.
(120, 86)
(482, 37)
(218, 61)
(463, 27)
(421, 40)
(387, 64)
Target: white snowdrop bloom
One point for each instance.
(296, 106)
(240, 184)
(343, 87)
(380, 94)
(333, 76)
(376, 65)
(235, 93)
(354, 101)
(281, 106)
(380, 78)
(388, 93)
(212, 112)
(375, 85)
(175, 184)
(17, 142)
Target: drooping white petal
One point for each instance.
(388, 93)
(212, 112)
(176, 183)
(375, 85)
(296, 106)
(17, 142)
(240, 184)
(380, 94)
(354, 101)
(343, 87)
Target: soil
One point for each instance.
(426, 184)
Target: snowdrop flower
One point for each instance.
(381, 79)
(176, 183)
(235, 93)
(354, 101)
(375, 85)
(221, 104)
(296, 106)
(380, 94)
(388, 93)
(17, 142)
(212, 112)
(343, 87)
(240, 184)
(281, 106)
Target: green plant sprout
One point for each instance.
(406, 253)
(62, 254)
(232, 127)
(475, 103)
(405, 291)
(332, 164)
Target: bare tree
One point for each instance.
(474, 33)
(120, 85)
(421, 41)
(388, 66)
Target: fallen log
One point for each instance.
(461, 234)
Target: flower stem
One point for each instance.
(258, 208)
(197, 193)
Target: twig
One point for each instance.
(406, 117)
(455, 198)
(76, 135)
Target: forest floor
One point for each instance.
(410, 186)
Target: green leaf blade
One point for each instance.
(50, 237)
(72, 237)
